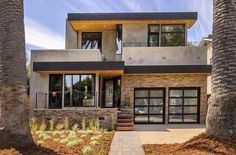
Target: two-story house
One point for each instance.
(136, 63)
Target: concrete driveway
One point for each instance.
(166, 134)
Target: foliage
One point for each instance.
(97, 124)
(59, 127)
(75, 127)
(51, 125)
(91, 125)
(33, 125)
(113, 122)
(83, 125)
(42, 126)
(94, 138)
(94, 142)
(71, 139)
(87, 150)
(66, 123)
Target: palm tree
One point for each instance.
(221, 115)
(14, 125)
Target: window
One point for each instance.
(172, 35)
(149, 105)
(153, 35)
(55, 91)
(184, 105)
(79, 90)
(91, 40)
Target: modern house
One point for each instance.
(135, 63)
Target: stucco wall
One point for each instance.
(71, 37)
(129, 82)
(164, 55)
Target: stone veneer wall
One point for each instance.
(77, 115)
(129, 82)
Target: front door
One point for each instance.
(109, 90)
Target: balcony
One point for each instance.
(141, 56)
(67, 55)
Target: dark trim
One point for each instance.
(148, 114)
(198, 97)
(133, 16)
(78, 66)
(168, 69)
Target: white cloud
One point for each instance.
(39, 35)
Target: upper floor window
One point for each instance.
(153, 35)
(91, 40)
(172, 35)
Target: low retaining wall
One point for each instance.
(105, 116)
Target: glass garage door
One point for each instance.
(184, 105)
(149, 105)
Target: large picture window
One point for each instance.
(184, 105)
(172, 35)
(91, 40)
(153, 35)
(55, 91)
(79, 90)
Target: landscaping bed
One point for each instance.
(198, 145)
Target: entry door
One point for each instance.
(109, 89)
(149, 105)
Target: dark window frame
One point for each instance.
(100, 40)
(154, 33)
(173, 32)
(198, 97)
(150, 114)
(80, 104)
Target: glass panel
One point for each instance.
(91, 40)
(176, 101)
(68, 90)
(175, 110)
(76, 92)
(190, 118)
(176, 93)
(156, 101)
(156, 110)
(172, 28)
(141, 118)
(175, 118)
(190, 101)
(87, 90)
(190, 93)
(172, 39)
(141, 102)
(55, 91)
(153, 40)
(141, 110)
(156, 93)
(192, 110)
(141, 93)
(109, 93)
(153, 28)
(155, 119)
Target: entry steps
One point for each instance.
(125, 122)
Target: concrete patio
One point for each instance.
(130, 142)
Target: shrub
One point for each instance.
(75, 127)
(66, 123)
(91, 125)
(42, 126)
(83, 125)
(33, 125)
(113, 122)
(59, 127)
(97, 124)
(51, 125)
(94, 142)
(87, 150)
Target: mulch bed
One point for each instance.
(198, 145)
(50, 147)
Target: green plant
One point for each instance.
(75, 127)
(72, 143)
(42, 126)
(66, 123)
(113, 122)
(87, 150)
(97, 124)
(51, 125)
(59, 127)
(33, 125)
(83, 124)
(91, 125)
(94, 138)
(94, 142)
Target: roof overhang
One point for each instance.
(84, 21)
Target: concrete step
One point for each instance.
(125, 128)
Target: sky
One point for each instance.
(45, 19)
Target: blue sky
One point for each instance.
(45, 19)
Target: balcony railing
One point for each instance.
(156, 44)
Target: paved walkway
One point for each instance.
(126, 143)
(130, 142)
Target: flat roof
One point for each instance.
(133, 16)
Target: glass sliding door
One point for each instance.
(55, 91)
(109, 89)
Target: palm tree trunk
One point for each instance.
(221, 116)
(14, 123)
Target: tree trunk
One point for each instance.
(14, 122)
(221, 115)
